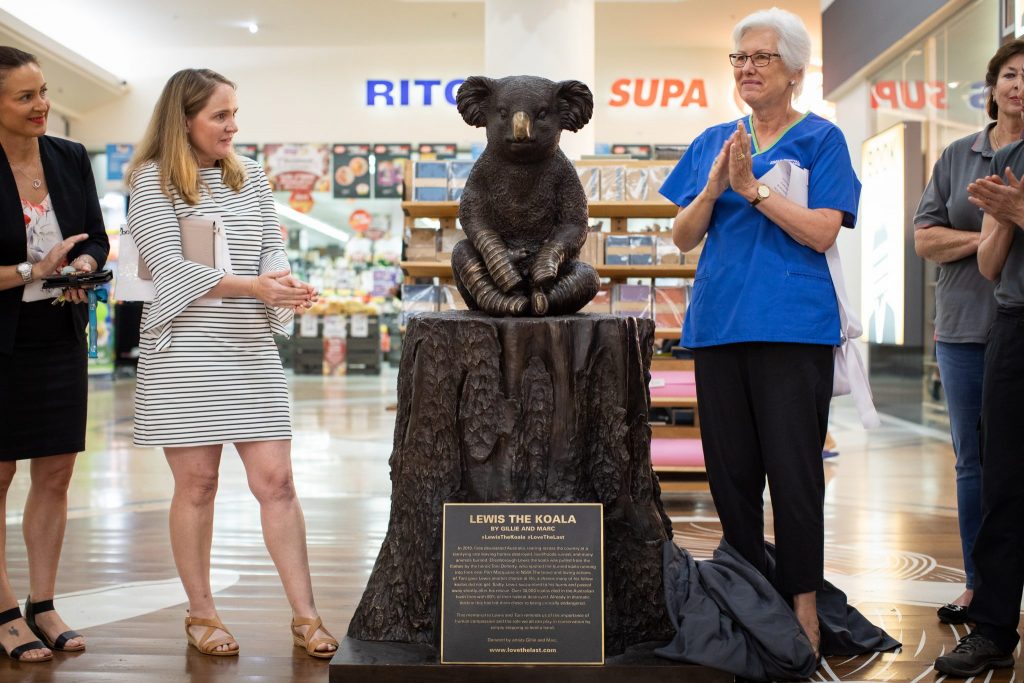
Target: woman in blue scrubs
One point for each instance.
(763, 321)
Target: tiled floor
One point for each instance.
(890, 515)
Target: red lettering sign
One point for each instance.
(909, 95)
(664, 93)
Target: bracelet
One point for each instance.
(252, 290)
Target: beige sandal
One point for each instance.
(205, 645)
(308, 643)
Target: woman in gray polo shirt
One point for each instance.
(999, 548)
(948, 230)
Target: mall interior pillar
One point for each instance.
(549, 38)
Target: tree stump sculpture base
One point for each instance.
(520, 410)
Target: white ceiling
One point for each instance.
(108, 32)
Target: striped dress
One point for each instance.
(208, 373)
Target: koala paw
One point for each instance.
(545, 267)
(539, 302)
(506, 277)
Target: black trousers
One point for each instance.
(999, 548)
(763, 415)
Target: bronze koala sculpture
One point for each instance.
(523, 208)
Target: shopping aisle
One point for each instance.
(891, 542)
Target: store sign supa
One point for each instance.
(658, 92)
(921, 95)
(407, 92)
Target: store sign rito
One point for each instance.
(406, 92)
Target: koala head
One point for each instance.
(524, 115)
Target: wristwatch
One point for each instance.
(763, 192)
(25, 271)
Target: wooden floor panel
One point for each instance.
(891, 540)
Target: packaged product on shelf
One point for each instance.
(334, 356)
(308, 325)
(602, 301)
(591, 251)
(449, 238)
(458, 172)
(613, 183)
(450, 299)
(590, 178)
(670, 306)
(617, 250)
(430, 181)
(656, 176)
(641, 250)
(667, 253)
(417, 299)
(421, 244)
(632, 301)
(635, 184)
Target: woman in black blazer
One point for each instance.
(49, 216)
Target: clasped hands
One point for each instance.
(733, 167)
(281, 289)
(1003, 200)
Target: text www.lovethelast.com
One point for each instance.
(522, 650)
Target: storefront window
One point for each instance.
(940, 82)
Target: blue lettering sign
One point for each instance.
(375, 89)
(382, 92)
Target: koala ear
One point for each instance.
(472, 97)
(575, 104)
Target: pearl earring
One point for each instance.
(792, 82)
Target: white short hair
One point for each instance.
(794, 40)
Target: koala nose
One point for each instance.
(521, 126)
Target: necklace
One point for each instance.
(996, 142)
(36, 182)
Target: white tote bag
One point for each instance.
(129, 286)
(850, 376)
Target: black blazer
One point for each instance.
(77, 207)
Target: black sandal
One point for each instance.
(14, 614)
(34, 608)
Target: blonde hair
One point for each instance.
(166, 139)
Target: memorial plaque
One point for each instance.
(522, 583)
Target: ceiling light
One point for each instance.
(253, 27)
(310, 222)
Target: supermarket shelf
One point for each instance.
(595, 209)
(673, 402)
(444, 269)
(660, 431)
(668, 363)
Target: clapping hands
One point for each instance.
(1004, 201)
(733, 167)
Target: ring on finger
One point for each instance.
(741, 156)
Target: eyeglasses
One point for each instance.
(738, 59)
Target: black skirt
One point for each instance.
(43, 385)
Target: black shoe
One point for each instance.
(973, 654)
(952, 614)
(61, 643)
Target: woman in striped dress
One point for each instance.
(209, 372)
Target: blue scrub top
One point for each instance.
(755, 283)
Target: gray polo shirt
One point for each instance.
(1010, 285)
(964, 301)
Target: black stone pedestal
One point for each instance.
(361, 661)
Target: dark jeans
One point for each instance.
(962, 367)
(999, 547)
(763, 415)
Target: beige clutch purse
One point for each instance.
(198, 243)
